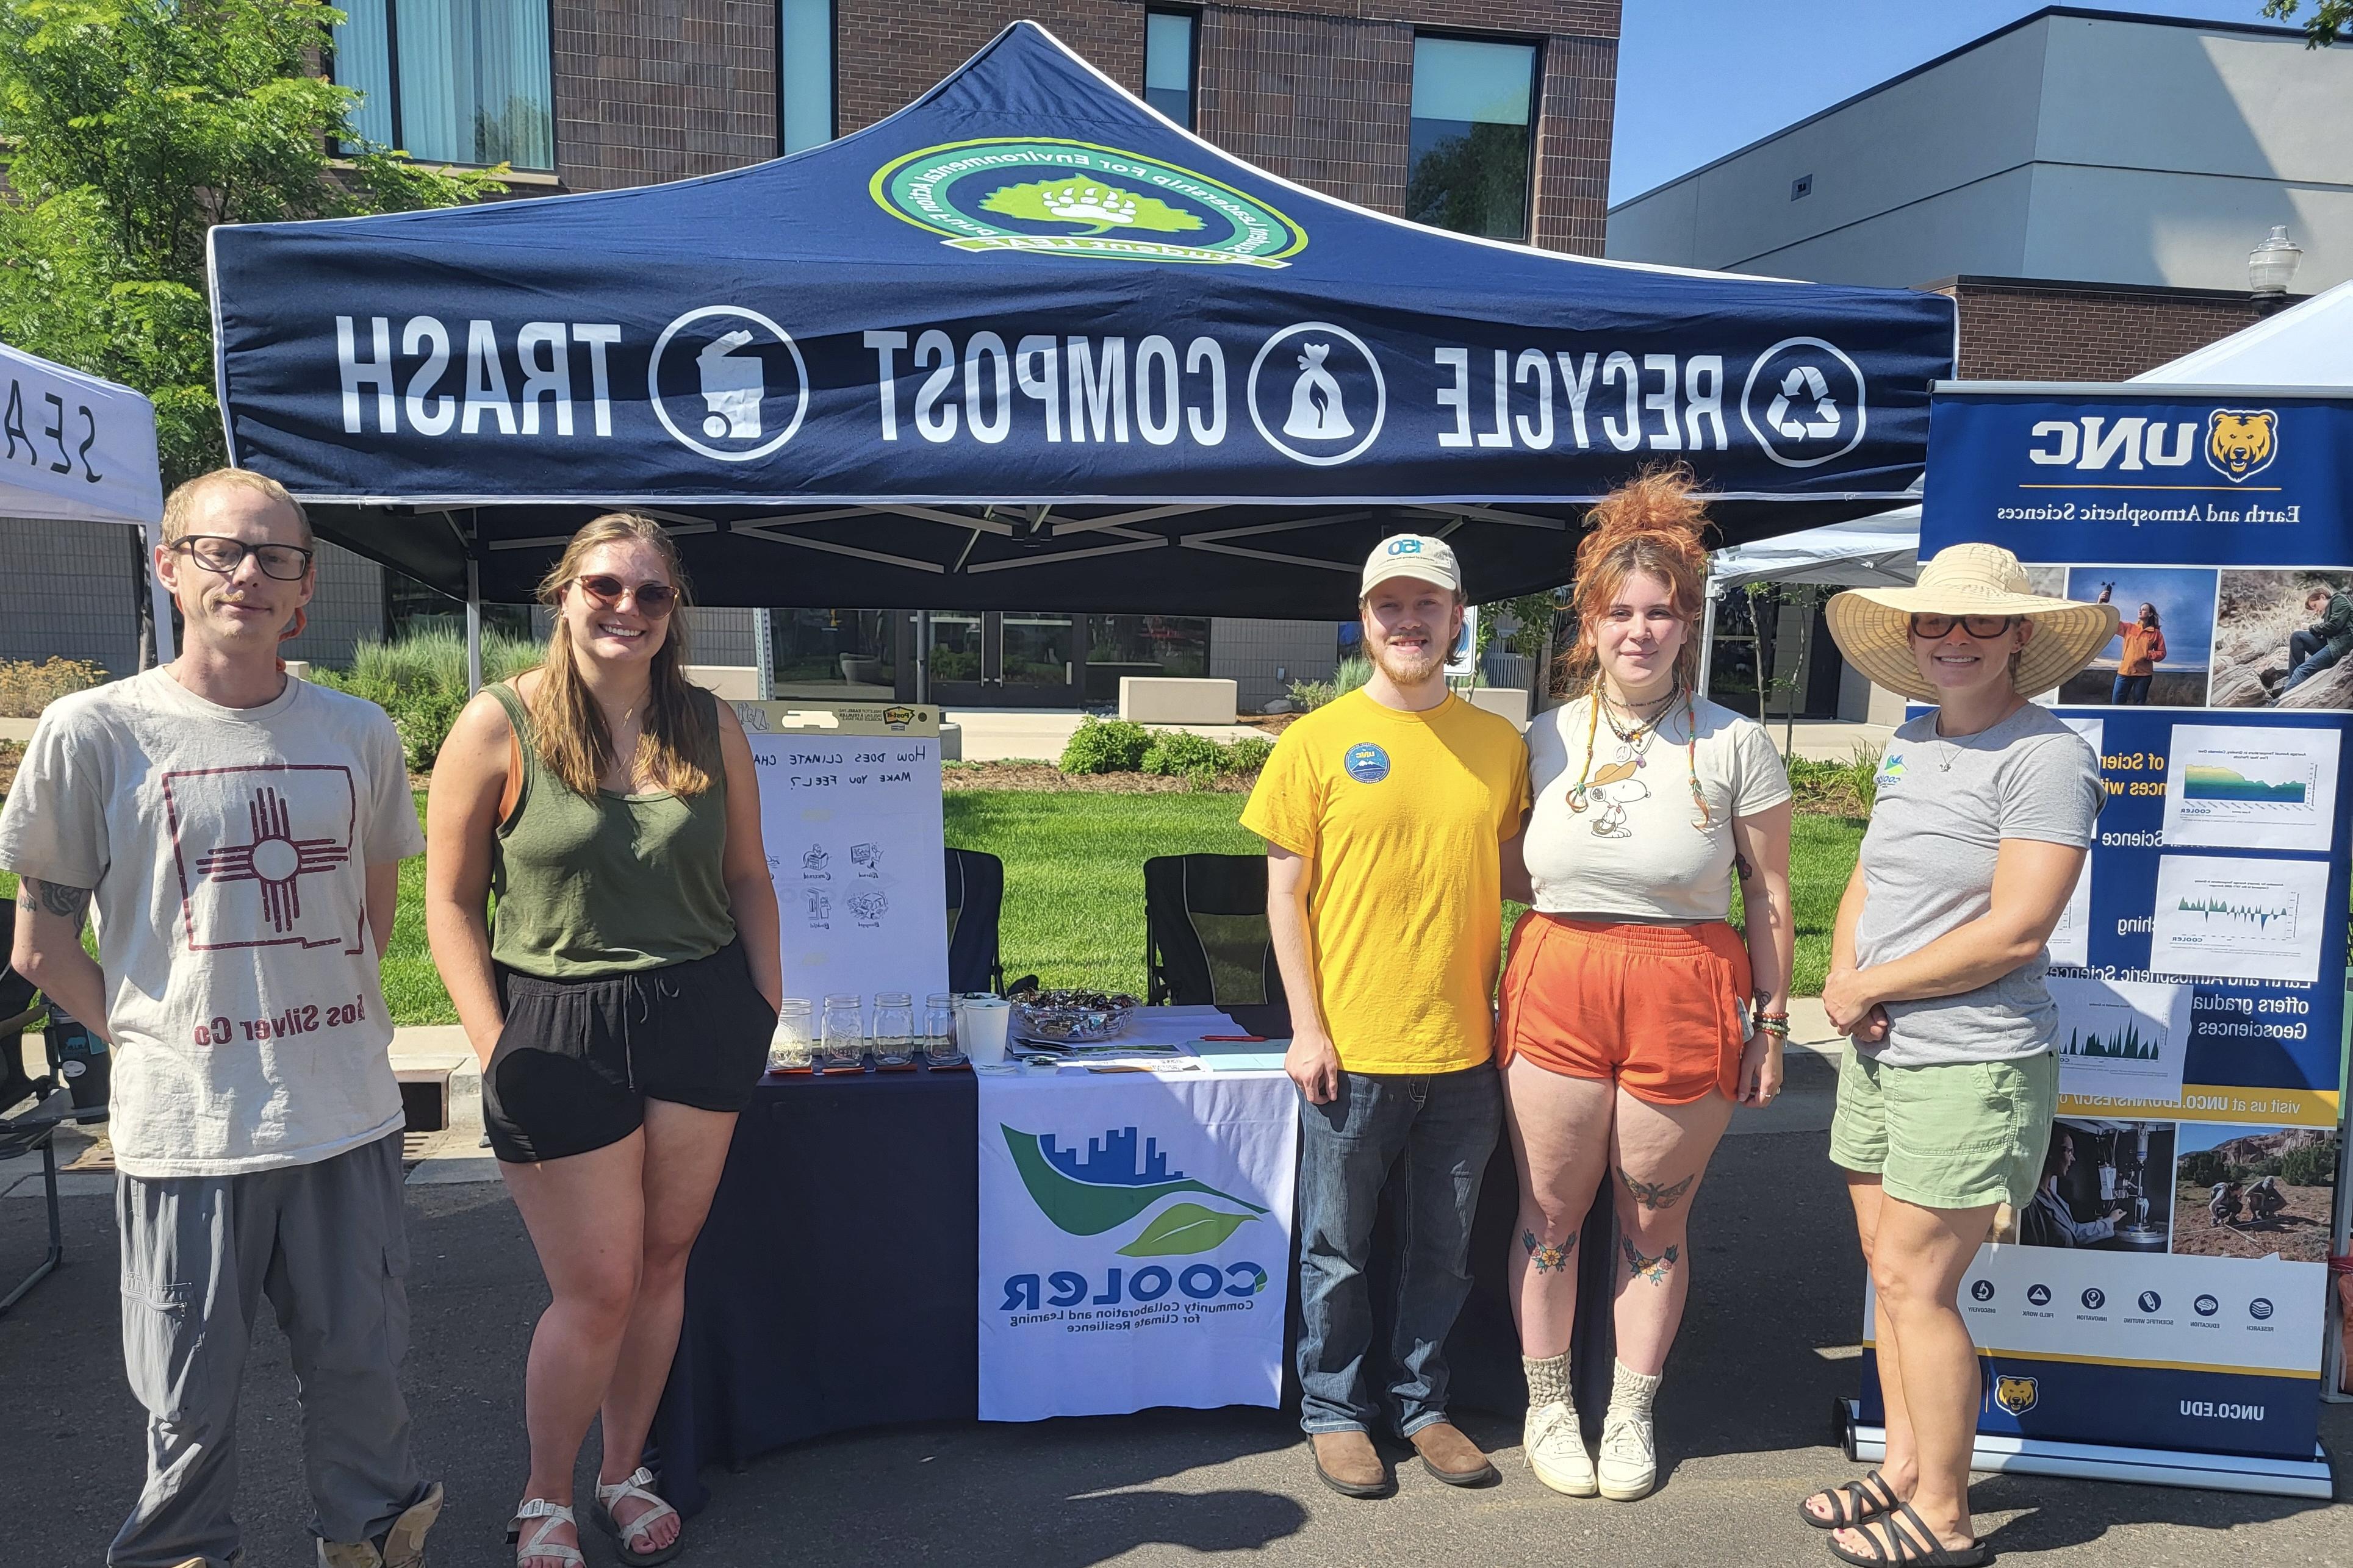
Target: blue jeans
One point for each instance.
(1425, 1140)
(2311, 656)
(2130, 689)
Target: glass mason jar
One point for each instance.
(894, 1030)
(790, 1049)
(843, 1032)
(939, 1030)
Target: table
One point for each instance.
(832, 1288)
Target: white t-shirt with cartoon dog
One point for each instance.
(228, 849)
(1617, 835)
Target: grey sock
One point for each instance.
(1547, 1380)
(1630, 1391)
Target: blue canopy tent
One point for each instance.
(1028, 344)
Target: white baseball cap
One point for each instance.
(1411, 555)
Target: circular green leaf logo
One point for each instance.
(1047, 195)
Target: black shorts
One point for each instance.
(579, 1059)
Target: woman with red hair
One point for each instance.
(1626, 1035)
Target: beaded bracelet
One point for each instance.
(1774, 1024)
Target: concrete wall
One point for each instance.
(71, 593)
(347, 607)
(1251, 653)
(2113, 150)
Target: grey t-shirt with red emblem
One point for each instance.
(227, 849)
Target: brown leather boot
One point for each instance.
(1350, 1464)
(1453, 1459)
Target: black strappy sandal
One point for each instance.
(1854, 1501)
(1915, 1547)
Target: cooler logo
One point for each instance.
(1365, 762)
(2015, 1395)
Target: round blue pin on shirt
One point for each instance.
(1366, 763)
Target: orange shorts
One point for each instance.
(1662, 1009)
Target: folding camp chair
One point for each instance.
(1205, 932)
(31, 1128)
(976, 907)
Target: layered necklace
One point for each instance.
(1634, 740)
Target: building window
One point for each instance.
(804, 74)
(1169, 64)
(451, 81)
(1143, 646)
(1467, 164)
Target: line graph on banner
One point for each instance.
(2269, 787)
(2249, 919)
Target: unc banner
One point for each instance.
(2171, 1290)
(1134, 1241)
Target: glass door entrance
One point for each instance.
(1009, 658)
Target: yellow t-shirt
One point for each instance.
(1402, 815)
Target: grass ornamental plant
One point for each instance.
(27, 688)
(420, 680)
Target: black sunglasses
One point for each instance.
(1935, 626)
(655, 599)
(218, 552)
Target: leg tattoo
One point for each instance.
(1548, 1258)
(1638, 1266)
(1658, 1195)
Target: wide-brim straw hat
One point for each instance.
(1872, 626)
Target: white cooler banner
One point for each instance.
(1135, 1238)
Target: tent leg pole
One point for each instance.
(764, 652)
(1706, 636)
(923, 655)
(473, 627)
(164, 652)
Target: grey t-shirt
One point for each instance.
(1944, 805)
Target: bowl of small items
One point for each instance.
(1070, 1017)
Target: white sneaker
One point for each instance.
(1555, 1450)
(1629, 1465)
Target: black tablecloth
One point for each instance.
(835, 1283)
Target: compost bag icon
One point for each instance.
(1113, 1181)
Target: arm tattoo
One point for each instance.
(1658, 1195)
(1548, 1258)
(53, 899)
(1638, 1266)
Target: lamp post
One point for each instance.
(2270, 266)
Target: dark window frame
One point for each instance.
(392, 86)
(1534, 45)
(833, 76)
(1192, 15)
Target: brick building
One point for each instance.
(1487, 115)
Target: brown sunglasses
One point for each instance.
(654, 599)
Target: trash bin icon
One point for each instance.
(732, 388)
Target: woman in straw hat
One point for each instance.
(1984, 814)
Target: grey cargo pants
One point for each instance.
(325, 1244)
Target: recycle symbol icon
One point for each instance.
(1807, 381)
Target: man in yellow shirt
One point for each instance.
(1384, 812)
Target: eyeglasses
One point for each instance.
(655, 599)
(218, 552)
(1935, 626)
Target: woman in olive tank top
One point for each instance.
(621, 997)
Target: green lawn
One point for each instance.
(1074, 886)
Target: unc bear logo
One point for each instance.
(2239, 442)
(2015, 1395)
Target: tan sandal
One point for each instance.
(550, 1515)
(639, 1486)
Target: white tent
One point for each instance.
(79, 450)
(2310, 345)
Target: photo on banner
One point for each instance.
(2255, 1191)
(2159, 655)
(2256, 638)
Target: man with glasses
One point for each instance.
(239, 834)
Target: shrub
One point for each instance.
(1177, 754)
(1346, 675)
(2203, 1168)
(1248, 755)
(1309, 695)
(420, 682)
(27, 688)
(1106, 746)
(2314, 1165)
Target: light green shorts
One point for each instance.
(1955, 1135)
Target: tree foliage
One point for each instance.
(132, 127)
(2330, 19)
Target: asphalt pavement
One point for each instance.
(1744, 1424)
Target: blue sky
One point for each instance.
(1698, 79)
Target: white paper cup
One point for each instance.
(981, 1024)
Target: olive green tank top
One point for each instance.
(589, 886)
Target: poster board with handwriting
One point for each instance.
(850, 815)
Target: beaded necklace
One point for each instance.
(1633, 746)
